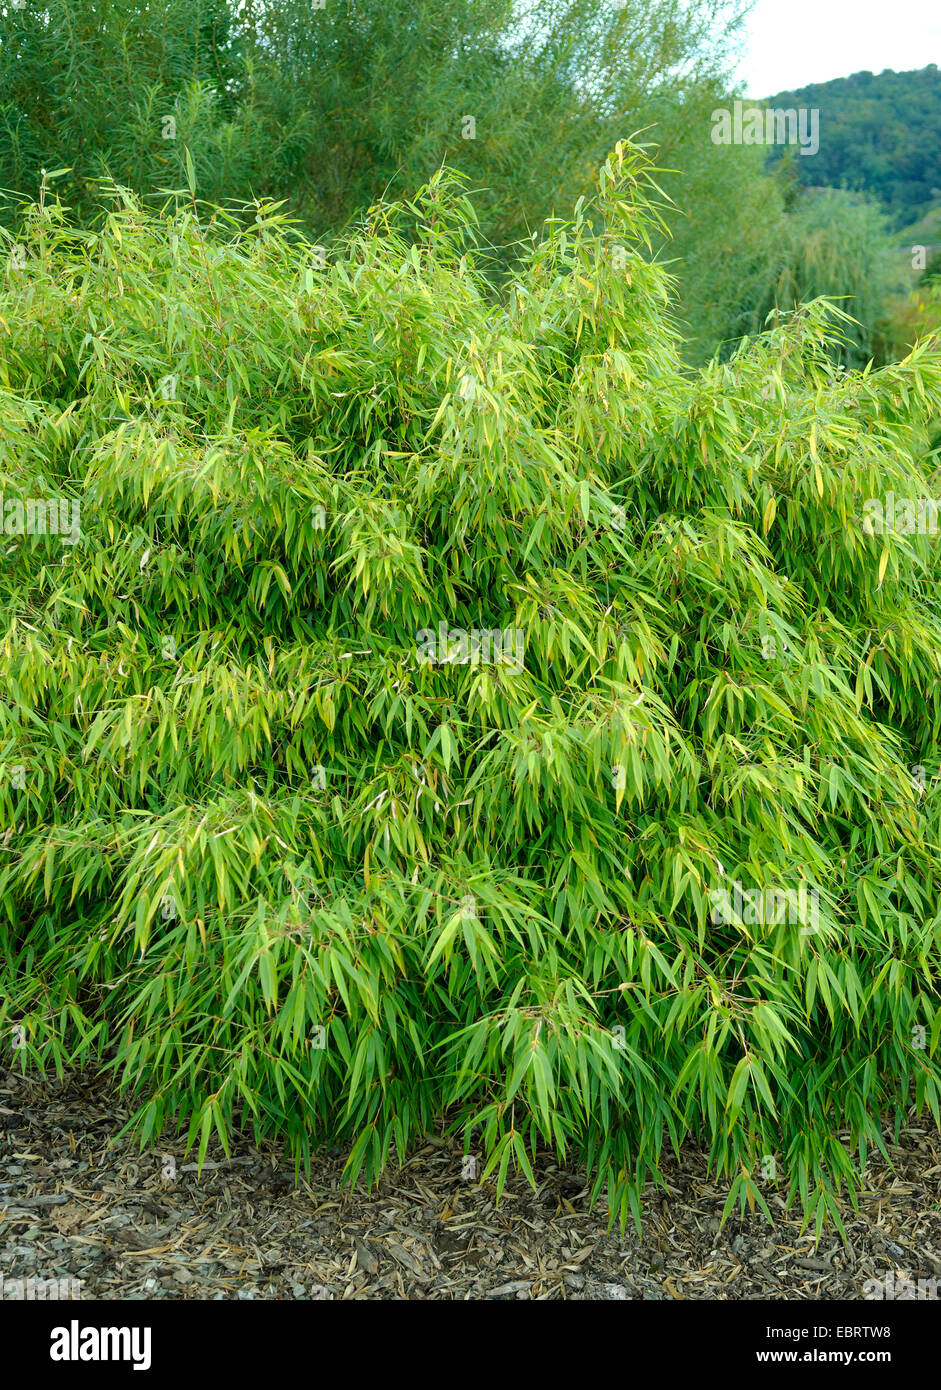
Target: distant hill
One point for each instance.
(879, 134)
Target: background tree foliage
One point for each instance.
(330, 109)
(247, 812)
(836, 244)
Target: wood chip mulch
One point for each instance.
(76, 1204)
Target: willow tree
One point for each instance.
(330, 104)
(457, 714)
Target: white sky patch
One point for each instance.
(790, 45)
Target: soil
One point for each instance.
(77, 1203)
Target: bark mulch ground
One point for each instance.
(76, 1204)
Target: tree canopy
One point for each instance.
(880, 133)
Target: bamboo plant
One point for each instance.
(295, 847)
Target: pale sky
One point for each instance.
(789, 43)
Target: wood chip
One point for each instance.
(91, 1207)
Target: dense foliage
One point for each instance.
(331, 106)
(279, 870)
(833, 243)
(879, 134)
(757, 244)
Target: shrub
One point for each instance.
(287, 848)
